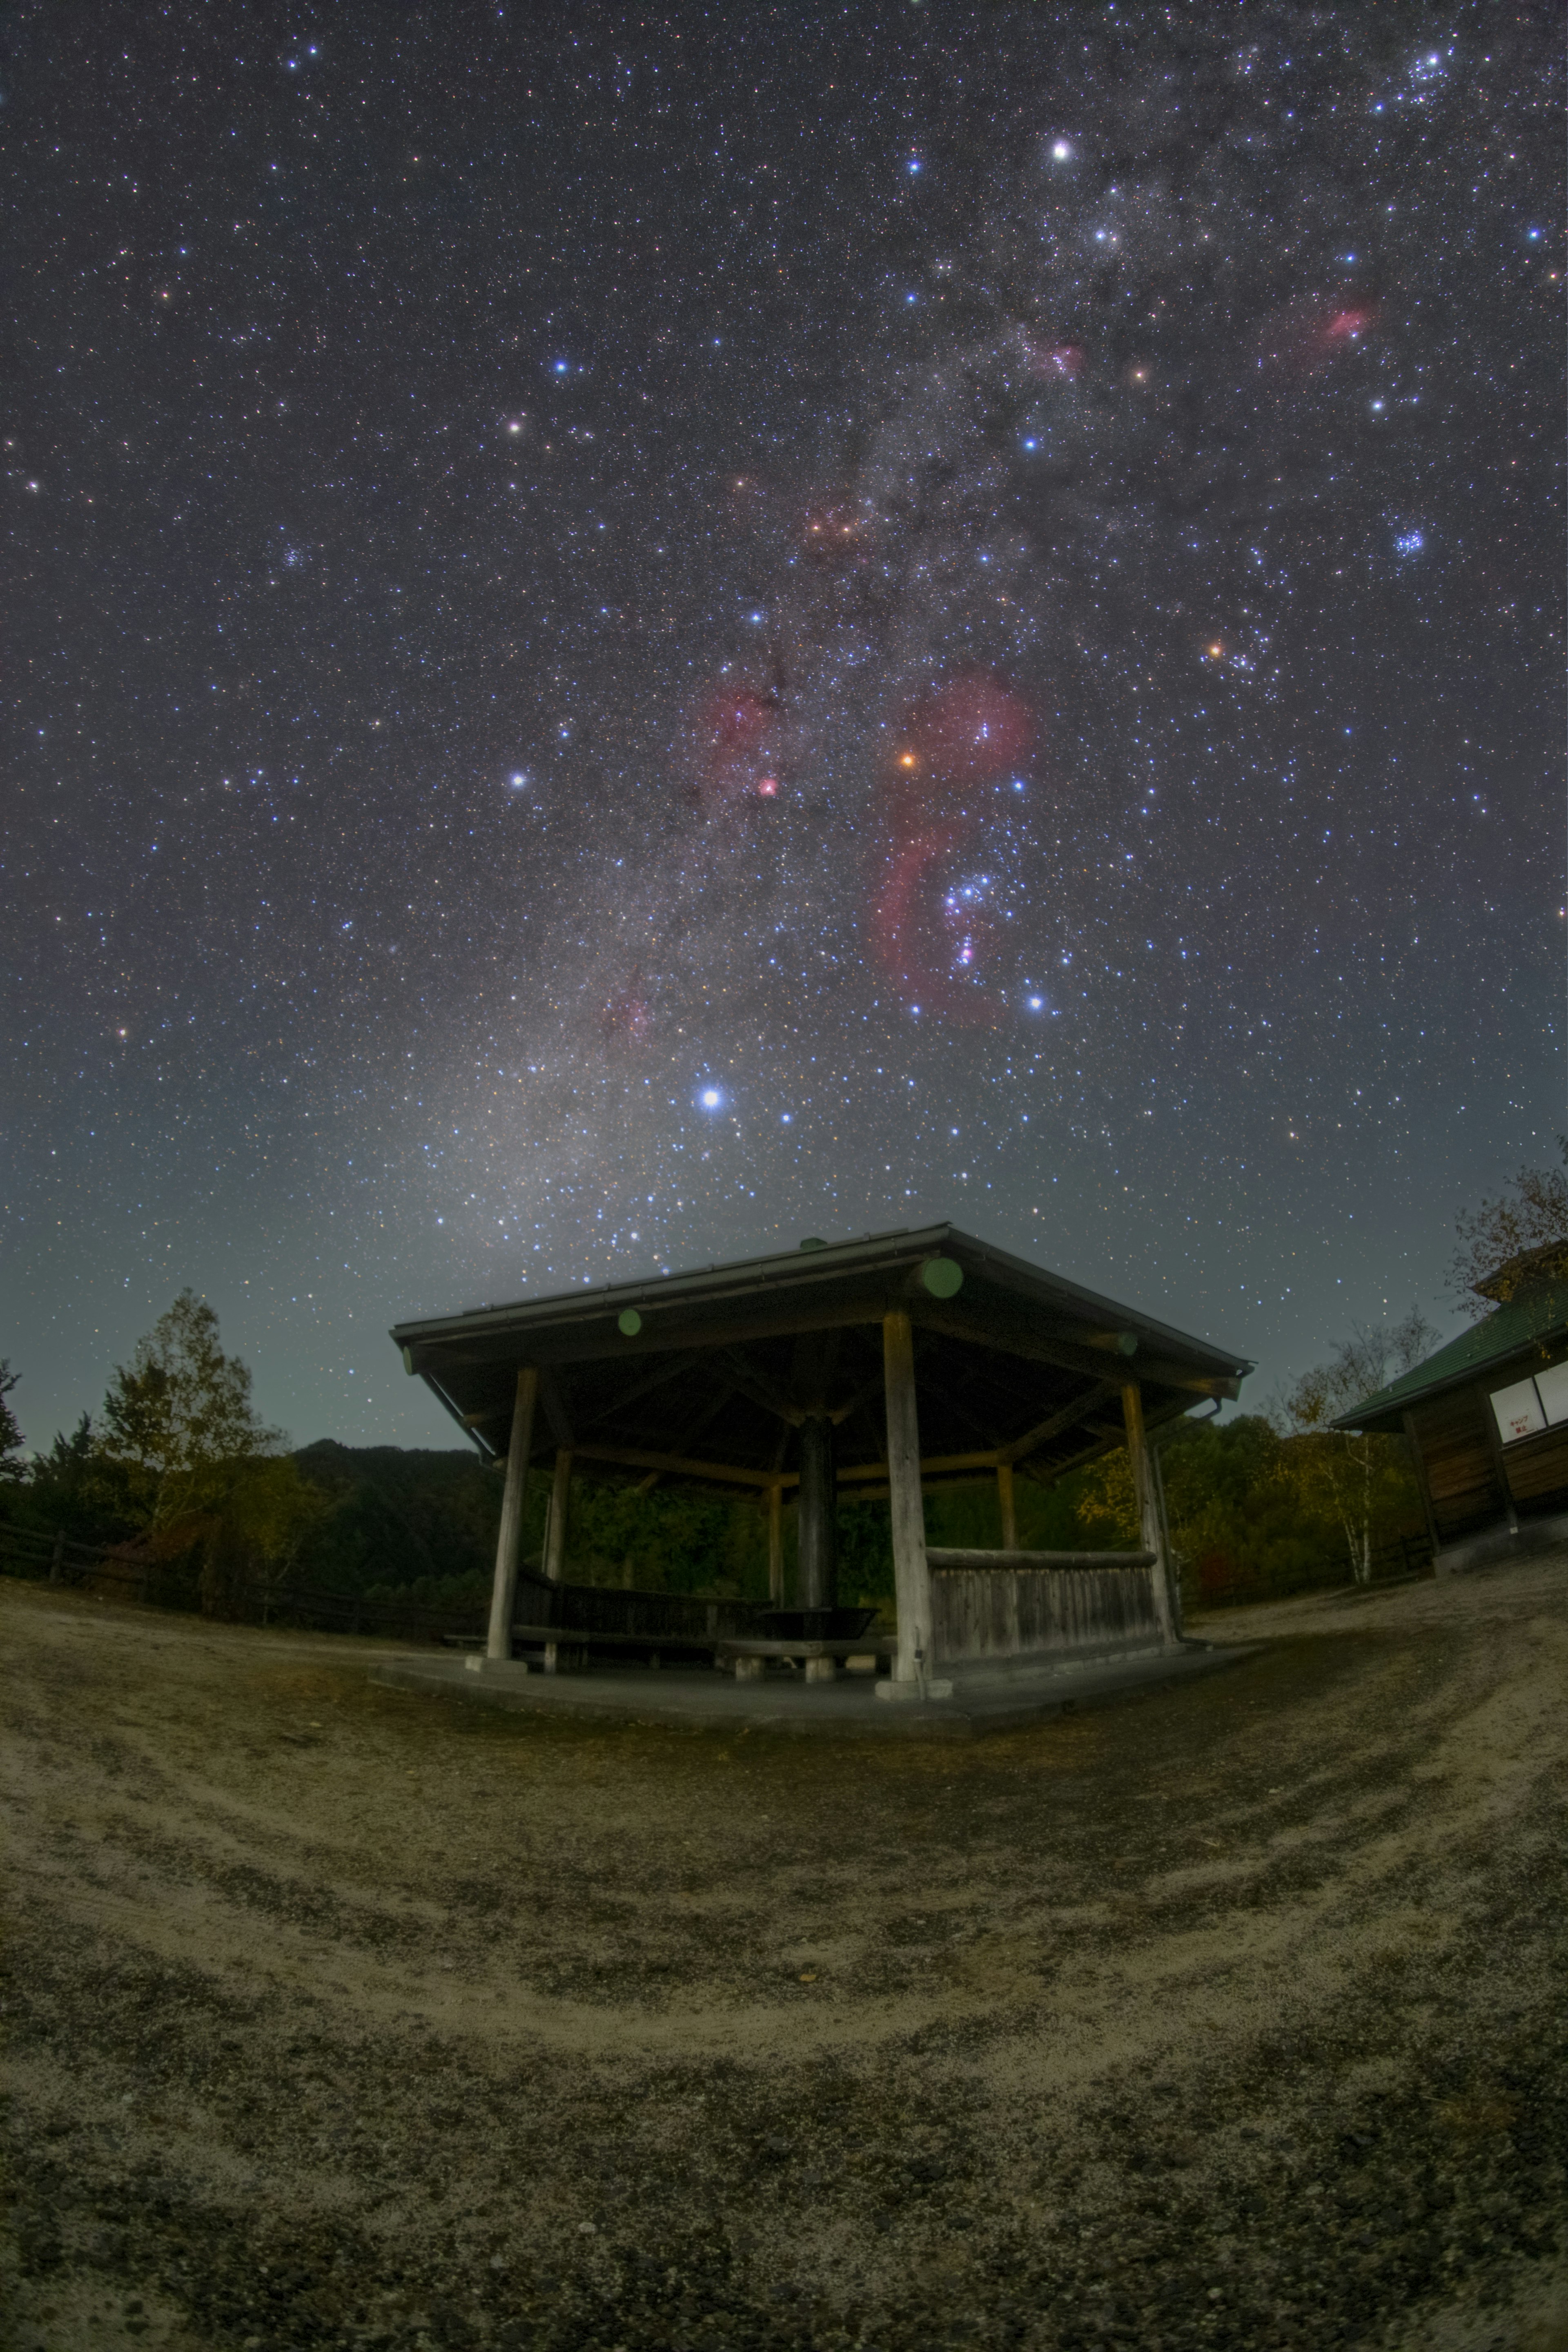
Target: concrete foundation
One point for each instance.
(1495, 1545)
(983, 1699)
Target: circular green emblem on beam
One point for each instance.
(812, 1243)
(630, 1321)
(943, 1277)
(408, 1363)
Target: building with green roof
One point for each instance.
(1487, 1420)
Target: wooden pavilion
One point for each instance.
(1487, 1420)
(873, 1367)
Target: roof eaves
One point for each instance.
(1522, 1332)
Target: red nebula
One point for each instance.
(1055, 362)
(957, 740)
(969, 729)
(1306, 336)
(917, 944)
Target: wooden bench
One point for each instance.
(553, 1639)
(747, 1656)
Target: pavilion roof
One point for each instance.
(723, 1361)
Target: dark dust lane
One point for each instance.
(1232, 2017)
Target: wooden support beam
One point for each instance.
(638, 1457)
(554, 1409)
(817, 1527)
(498, 1643)
(1066, 1416)
(1006, 1506)
(911, 1577)
(665, 1331)
(937, 1465)
(1149, 1526)
(668, 1367)
(1017, 1334)
(753, 1382)
(960, 1556)
(775, 1544)
(555, 1531)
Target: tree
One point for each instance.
(1236, 1523)
(11, 1466)
(179, 1418)
(1361, 1479)
(204, 1474)
(1529, 1214)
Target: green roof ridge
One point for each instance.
(1523, 1322)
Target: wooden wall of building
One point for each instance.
(1457, 1453)
(1537, 1471)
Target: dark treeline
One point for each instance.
(392, 1525)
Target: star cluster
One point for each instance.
(634, 638)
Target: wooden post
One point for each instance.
(503, 1591)
(1009, 1511)
(1150, 1532)
(775, 1544)
(816, 1561)
(912, 1576)
(555, 1537)
(1175, 1587)
(559, 1496)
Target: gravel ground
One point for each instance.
(1233, 2016)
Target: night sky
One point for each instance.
(630, 637)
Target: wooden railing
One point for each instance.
(1039, 1604)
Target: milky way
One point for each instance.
(630, 642)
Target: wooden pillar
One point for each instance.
(816, 1559)
(911, 1575)
(775, 1544)
(559, 1496)
(555, 1541)
(1175, 1586)
(1151, 1535)
(1009, 1511)
(503, 1590)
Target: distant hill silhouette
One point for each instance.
(402, 1514)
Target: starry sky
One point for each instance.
(631, 636)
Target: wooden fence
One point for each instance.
(119, 1573)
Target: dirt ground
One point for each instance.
(1233, 2016)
